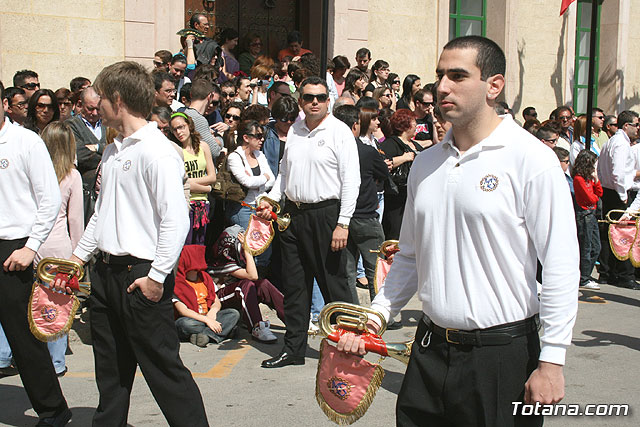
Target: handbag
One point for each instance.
(227, 186)
(400, 174)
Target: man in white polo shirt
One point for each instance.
(30, 203)
(320, 178)
(139, 226)
(481, 207)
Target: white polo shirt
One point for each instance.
(473, 227)
(615, 165)
(29, 192)
(140, 210)
(319, 165)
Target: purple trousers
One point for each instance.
(244, 295)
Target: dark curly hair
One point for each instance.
(584, 165)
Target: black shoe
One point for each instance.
(361, 285)
(57, 421)
(282, 360)
(394, 325)
(629, 284)
(603, 279)
(8, 371)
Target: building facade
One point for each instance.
(547, 55)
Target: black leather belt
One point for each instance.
(495, 335)
(306, 206)
(121, 259)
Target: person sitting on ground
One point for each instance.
(238, 285)
(200, 317)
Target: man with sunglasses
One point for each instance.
(277, 90)
(597, 124)
(319, 177)
(27, 80)
(616, 173)
(423, 100)
(201, 93)
(15, 104)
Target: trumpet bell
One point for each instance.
(283, 222)
(49, 267)
(349, 316)
(275, 205)
(400, 351)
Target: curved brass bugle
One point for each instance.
(275, 205)
(49, 267)
(355, 317)
(632, 214)
(386, 246)
(283, 222)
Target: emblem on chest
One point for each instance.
(4, 163)
(126, 166)
(489, 183)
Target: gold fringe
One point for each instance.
(634, 262)
(363, 406)
(263, 248)
(64, 331)
(613, 251)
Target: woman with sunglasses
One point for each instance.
(252, 47)
(200, 171)
(249, 166)
(384, 96)
(379, 76)
(284, 112)
(231, 117)
(354, 85)
(410, 86)
(43, 109)
(63, 95)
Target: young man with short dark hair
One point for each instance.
(469, 250)
(138, 229)
(27, 80)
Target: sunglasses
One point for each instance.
(214, 103)
(288, 119)
(21, 105)
(428, 104)
(309, 97)
(31, 86)
(256, 135)
(395, 82)
(158, 64)
(41, 106)
(231, 116)
(227, 94)
(599, 117)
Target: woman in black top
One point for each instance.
(379, 75)
(410, 86)
(401, 150)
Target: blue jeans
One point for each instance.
(589, 240)
(317, 301)
(57, 350)
(227, 317)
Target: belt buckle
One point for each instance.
(447, 331)
(105, 257)
(297, 204)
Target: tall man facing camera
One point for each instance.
(139, 225)
(469, 249)
(319, 176)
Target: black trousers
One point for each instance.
(127, 330)
(618, 271)
(465, 386)
(306, 254)
(31, 356)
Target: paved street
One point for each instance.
(602, 366)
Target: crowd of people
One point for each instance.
(333, 151)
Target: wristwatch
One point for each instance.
(345, 226)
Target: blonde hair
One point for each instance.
(61, 144)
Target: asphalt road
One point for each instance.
(602, 367)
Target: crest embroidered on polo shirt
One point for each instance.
(4, 163)
(321, 143)
(489, 183)
(126, 166)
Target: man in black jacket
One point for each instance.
(365, 231)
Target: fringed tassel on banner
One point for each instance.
(353, 416)
(245, 244)
(46, 337)
(614, 250)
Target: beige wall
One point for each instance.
(62, 39)
(59, 39)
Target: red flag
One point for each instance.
(565, 6)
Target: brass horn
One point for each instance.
(632, 216)
(355, 317)
(49, 267)
(386, 247)
(283, 221)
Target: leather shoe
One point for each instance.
(282, 360)
(629, 284)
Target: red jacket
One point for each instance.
(192, 258)
(587, 192)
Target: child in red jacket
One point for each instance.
(588, 191)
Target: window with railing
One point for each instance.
(583, 40)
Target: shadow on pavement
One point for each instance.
(619, 299)
(15, 403)
(601, 339)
